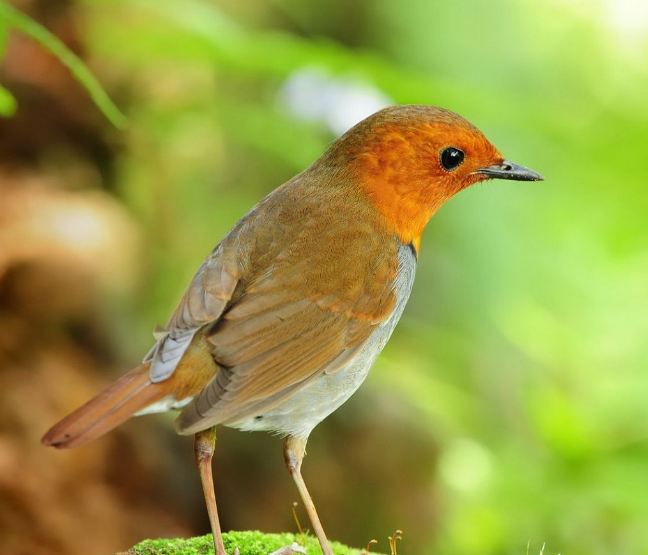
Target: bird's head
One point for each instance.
(409, 160)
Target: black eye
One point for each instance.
(451, 158)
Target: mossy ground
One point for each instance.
(249, 543)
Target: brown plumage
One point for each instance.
(130, 394)
(284, 319)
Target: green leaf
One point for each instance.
(17, 20)
(8, 103)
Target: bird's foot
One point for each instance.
(293, 549)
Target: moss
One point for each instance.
(249, 543)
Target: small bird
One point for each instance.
(284, 319)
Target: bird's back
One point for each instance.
(325, 277)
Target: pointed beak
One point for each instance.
(509, 170)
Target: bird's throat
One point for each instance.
(404, 210)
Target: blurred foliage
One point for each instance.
(11, 18)
(523, 350)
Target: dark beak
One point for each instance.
(509, 170)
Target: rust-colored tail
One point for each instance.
(133, 393)
(111, 407)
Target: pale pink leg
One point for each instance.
(204, 451)
(294, 450)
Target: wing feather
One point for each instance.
(286, 296)
(204, 301)
(267, 349)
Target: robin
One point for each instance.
(283, 320)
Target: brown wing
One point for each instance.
(299, 314)
(209, 292)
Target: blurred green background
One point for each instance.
(509, 409)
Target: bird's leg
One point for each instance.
(204, 451)
(294, 451)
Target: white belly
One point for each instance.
(299, 414)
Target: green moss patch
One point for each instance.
(249, 543)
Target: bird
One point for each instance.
(282, 322)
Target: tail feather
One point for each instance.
(131, 394)
(108, 409)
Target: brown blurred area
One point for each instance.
(64, 242)
(68, 246)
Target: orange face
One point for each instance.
(410, 159)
